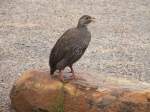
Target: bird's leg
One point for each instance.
(61, 75)
(72, 71)
(71, 68)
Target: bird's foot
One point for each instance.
(70, 72)
(74, 77)
(62, 78)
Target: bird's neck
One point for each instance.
(81, 26)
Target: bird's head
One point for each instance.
(85, 20)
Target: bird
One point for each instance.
(70, 47)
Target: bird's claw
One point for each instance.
(62, 79)
(74, 77)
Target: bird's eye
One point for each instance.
(87, 17)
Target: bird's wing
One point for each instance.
(68, 46)
(61, 47)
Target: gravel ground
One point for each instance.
(120, 43)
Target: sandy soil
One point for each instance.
(120, 43)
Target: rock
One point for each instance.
(35, 91)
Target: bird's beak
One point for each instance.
(93, 19)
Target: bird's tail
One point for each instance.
(52, 65)
(52, 71)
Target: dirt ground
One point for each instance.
(120, 43)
